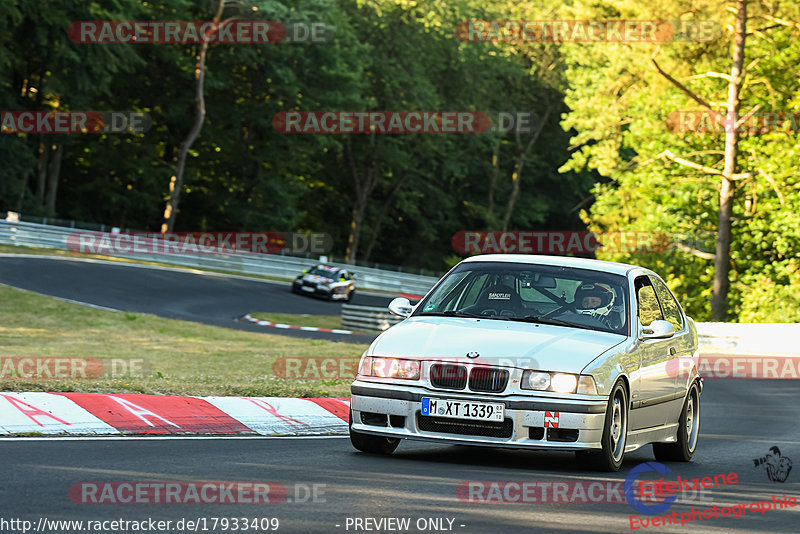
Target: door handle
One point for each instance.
(672, 351)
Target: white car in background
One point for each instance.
(328, 281)
(535, 352)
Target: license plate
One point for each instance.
(309, 289)
(454, 409)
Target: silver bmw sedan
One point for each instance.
(535, 352)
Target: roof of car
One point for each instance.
(558, 261)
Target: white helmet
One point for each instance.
(594, 299)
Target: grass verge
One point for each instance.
(178, 357)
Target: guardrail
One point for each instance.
(750, 338)
(368, 318)
(286, 267)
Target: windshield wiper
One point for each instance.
(546, 320)
(452, 313)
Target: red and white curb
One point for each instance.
(114, 414)
(259, 322)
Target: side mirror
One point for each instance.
(401, 306)
(659, 329)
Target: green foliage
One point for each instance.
(620, 106)
(600, 162)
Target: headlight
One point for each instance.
(535, 380)
(564, 383)
(389, 368)
(558, 382)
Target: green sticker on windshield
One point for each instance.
(429, 307)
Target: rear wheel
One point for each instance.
(688, 432)
(615, 434)
(372, 444)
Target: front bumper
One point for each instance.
(320, 291)
(393, 411)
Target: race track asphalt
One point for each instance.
(207, 298)
(741, 420)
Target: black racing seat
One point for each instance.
(498, 300)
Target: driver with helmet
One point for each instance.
(598, 301)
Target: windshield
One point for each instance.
(325, 272)
(562, 296)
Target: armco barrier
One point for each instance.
(750, 338)
(368, 318)
(286, 267)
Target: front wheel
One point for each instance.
(371, 444)
(615, 434)
(688, 432)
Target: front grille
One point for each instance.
(488, 379)
(467, 428)
(448, 376)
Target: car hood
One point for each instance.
(526, 345)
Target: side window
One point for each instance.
(649, 310)
(672, 312)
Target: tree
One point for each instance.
(660, 177)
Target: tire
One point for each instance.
(371, 444)
(688, 432)
(615, 434)
(350, 296)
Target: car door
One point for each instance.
(681, 346)
(654, 385)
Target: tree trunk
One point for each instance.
(376, 228)
(519, 163)
(493, 177)
(355, 232)
(363, 190)
(41, 171)
(22, 191)
(53, 172)
(176, 181)
(722, 259)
